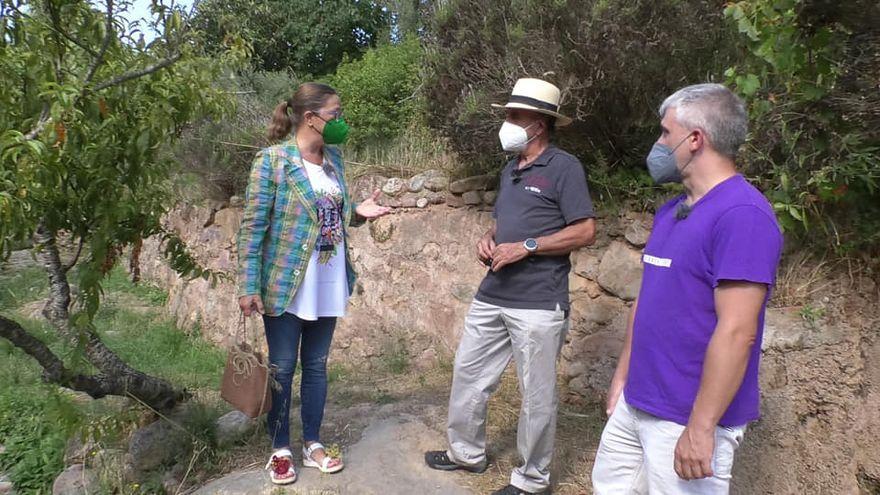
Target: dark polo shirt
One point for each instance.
(536, 201)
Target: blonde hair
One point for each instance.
(288, 114)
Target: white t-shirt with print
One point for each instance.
(324, 288)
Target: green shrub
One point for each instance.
(378, 92)
(34, 425)
(815, 138)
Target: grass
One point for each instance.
(36, 419)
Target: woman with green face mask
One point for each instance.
(294, 267)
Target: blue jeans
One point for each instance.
(287, 336)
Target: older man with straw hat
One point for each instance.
(542, 213)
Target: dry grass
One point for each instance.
(414, 152)
(577, 437)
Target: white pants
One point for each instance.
(636, 456)
(492, 335)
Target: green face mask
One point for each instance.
(335, 131)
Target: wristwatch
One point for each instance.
(531, 245)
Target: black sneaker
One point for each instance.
(512, 490)
(437, 459)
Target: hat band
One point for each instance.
(527, 100)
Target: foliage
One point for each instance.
(218, 152)
(35, 428)
(36, 419)
(304, 36)
(89, 107)
(815, 143)
(614, 60)
(379, 91)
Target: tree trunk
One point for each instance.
(115, 377)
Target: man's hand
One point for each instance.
(614, 391)
(485, 246)
(693, 453)
(251, 304)
(507, 254)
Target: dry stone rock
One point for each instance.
(437, 184)
(585, 263)
(422, 202)
(155, 445)
(394, 186)
(454, 200)
(620, 271)
(5, 487)
(489, 197)
(471, 198)
(416, 183)
(409, 200)
(75, 480)
(232, 426)
(637, 234)
(363, 186)
(235, 202)
(474, 183)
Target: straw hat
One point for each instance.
(538, 96)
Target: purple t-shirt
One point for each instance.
(731, 233)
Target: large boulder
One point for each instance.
(620, 271)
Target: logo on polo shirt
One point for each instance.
(536, 183)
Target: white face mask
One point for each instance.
(514, 138)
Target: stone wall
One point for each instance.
(418, 273)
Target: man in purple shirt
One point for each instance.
(686, 384)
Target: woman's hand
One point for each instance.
(250, 304)
(369, 209)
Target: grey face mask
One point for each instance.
(661, 163)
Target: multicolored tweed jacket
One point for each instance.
(280, 225)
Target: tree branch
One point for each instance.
(72, 262)
(99, 57)
(40, 125)
(54, 370)
(138, 73)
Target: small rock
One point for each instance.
(489, 197)
(5, 487)
(381, 229)
(433, 180)
(437, 184)
(422, 202)
(154, 445)
(393, 186)
(436, 198)
(416, 183)
(474, 183)
(454, 200)
(235, 202)
(2, 449)
(409, 200)
(389, 201)
(426, 360)
(75, 480)
(636, 234)
(585, 263)
(232, 426)
(472, 198)
(362, 187)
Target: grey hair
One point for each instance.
(715, 110)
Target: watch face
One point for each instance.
(531, 244)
